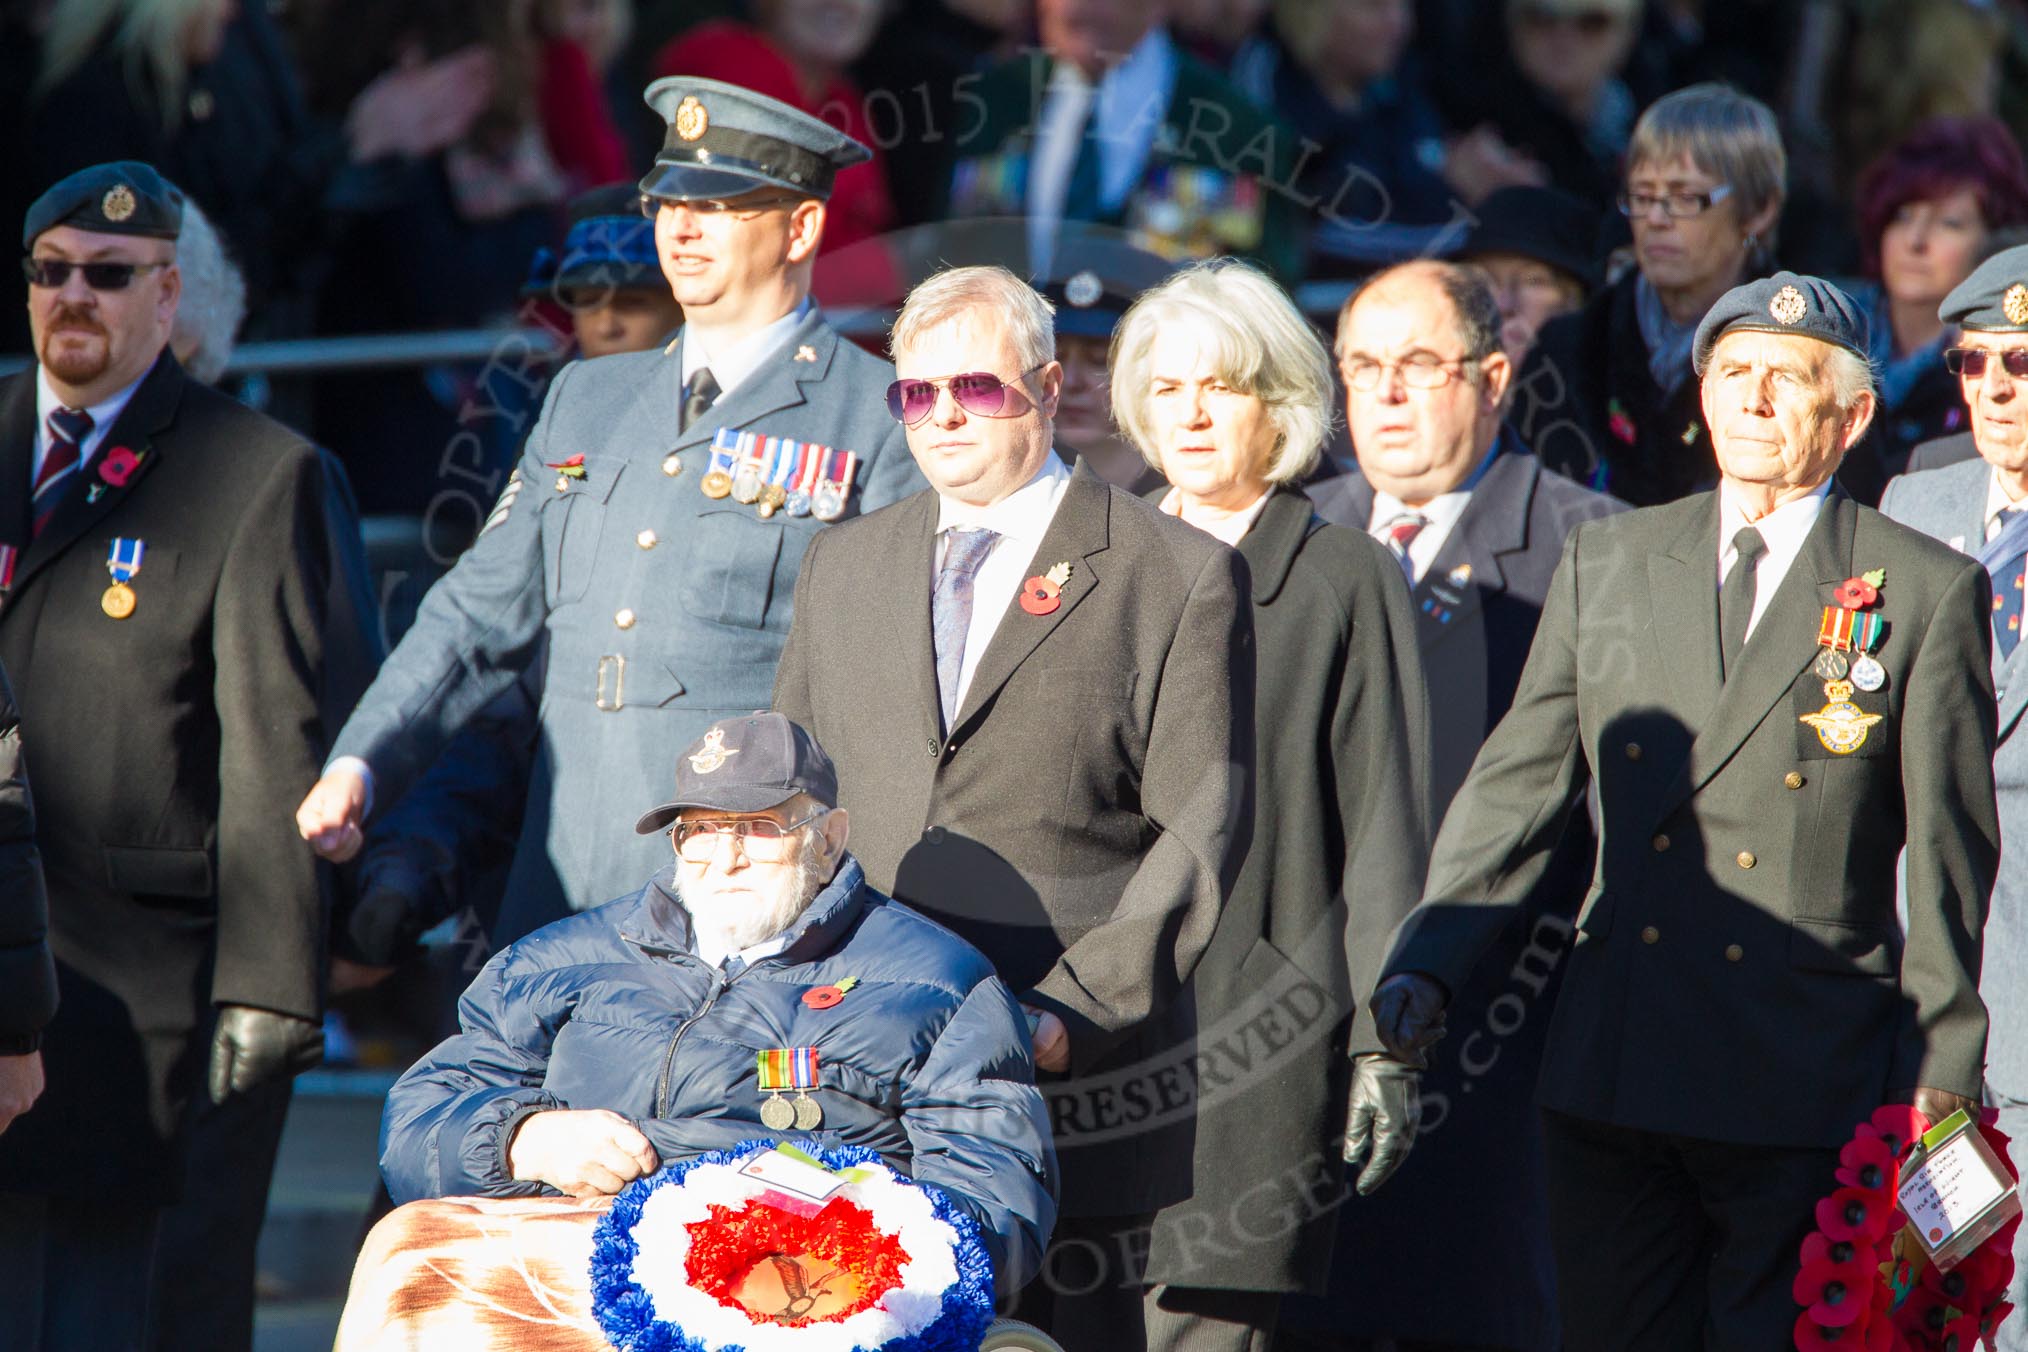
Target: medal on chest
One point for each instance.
(717, 480)
(803, 483)
(123, 561)
(828, 503)
(781, 463)
(1849, 628)
(747, 478)
(788, 1068)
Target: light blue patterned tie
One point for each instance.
(951, 609)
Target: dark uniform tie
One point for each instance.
(698, 397)
(68, 427)
(1735, 598)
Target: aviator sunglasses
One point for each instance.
(980, 392)
(54, 272)
(1971, 361)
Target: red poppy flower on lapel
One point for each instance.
(1855, 1214)
(1866, 1162)
(118, 466)
(572, 468)
(1898, 1124)
(1040, 596)
(1857, 593)
(823, 997)
(1837, 1294)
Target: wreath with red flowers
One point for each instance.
(1867, 1283)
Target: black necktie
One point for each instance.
(697, 397)
(1735, 598)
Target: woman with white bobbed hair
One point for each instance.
(1226, 388)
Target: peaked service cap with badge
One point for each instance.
(1787, 302)
(724, 141)
(1093, 280)
(1994, 299)
(124, 197)
(747, 765)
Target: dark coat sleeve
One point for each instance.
(1501, 831)
(1197, 791)
(27, 973)
(1380, 753)
(1953, 851)
(268, 640)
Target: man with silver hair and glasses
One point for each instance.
(602, 1047)
(1039, 693)
(1779, 695)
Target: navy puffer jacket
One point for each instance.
(925, 1060)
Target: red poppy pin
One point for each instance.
(1618, 423)
(823, 997)
(118, 466)
(572, 468)
(1043, 593)
(1857, 593)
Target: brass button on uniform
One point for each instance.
(1745, 859)
(1661, 843)
(1633, 750)
(647, 539)
(672, 465)
(625, 619)
(1733, 953)
(1793, 780)
(1651, 935)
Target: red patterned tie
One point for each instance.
(1401, 533)
(68, 427)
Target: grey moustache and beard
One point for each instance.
(734, 922)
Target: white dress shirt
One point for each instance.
(715, 956)
(741, 359)
(1782, 530)
(1442, 513)
(104, 414)
(1229, 531)
(1131, 99)
(1998, 500)
(1020, 519)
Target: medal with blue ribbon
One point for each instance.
(717, 481)
(123, 560)
(794, 1068)
(781, 464)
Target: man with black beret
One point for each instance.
(1778, 695)
(164, 572)
(648, 543)
(1980, 508)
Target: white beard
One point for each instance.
(735, 922)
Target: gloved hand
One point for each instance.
(1408, 1015)
(253, 1046)
(1385, 1113)
(1937, 1104)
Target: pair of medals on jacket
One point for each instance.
(774, 474)
(1849, 627)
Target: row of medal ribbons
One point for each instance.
(773, 474)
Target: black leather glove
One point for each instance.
(1408, 1016)
(253, 1046)
(1385, 1112)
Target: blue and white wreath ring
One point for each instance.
(722, 1252)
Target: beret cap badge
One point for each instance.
(2014, 304)
(691, 120)
(1788, 306)
(1083, 289)
(118, 203)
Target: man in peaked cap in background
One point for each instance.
(165, 557)
(648, 543)
(1980, 508)
(1090, 284)
(1775, 690)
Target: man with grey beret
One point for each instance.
(1980, 508)
(1778, 695)
(648, 543)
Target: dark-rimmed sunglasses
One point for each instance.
(1971, 361)
(980, 392)
(54, 272)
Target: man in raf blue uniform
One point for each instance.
(647, 544)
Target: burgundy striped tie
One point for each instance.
(68, 427)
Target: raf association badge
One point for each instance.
(118, 204)
(1788, 306)
(713, 753)
(1849, 626)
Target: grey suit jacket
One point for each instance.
(1739, 974)
(1086, 816)
(1950, 505)
(1478, 603)
(1941, 451)
(661, 610)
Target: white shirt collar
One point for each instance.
(104, 414)
(1022, 516)
(742, 358)
(1232, 529)
(1782, 530)
(1997, 501)
(753, 953)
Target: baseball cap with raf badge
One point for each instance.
(747, 765)
(1994, 299)
(125, 197)
(1787, 302)
(724, 141)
